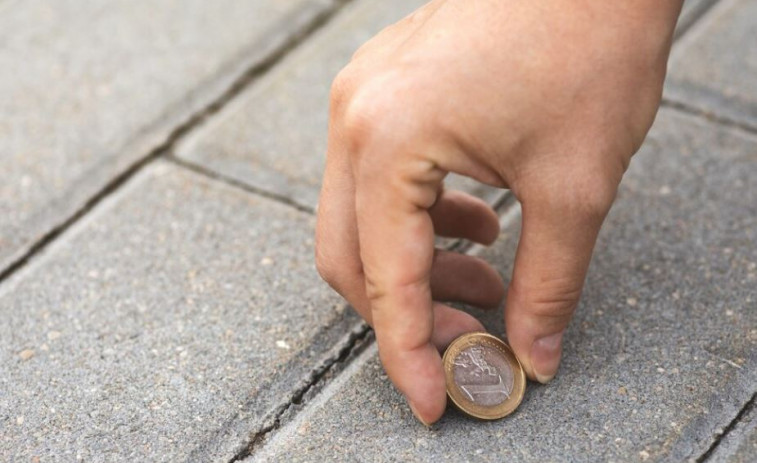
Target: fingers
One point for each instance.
(467, 279)
(557, 239)
(460, 215)
(397, 250)
(454, 277)
(450, 323)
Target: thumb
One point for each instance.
(557, 239)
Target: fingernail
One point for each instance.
(418, 415)
(545, 357)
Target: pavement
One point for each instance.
(161, 166)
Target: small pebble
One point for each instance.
(26, 354)
(282, 344)
(631, 301)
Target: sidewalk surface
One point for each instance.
(161, 163)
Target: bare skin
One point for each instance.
(548, 99)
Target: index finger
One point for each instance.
(397, 248)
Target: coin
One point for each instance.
(485, 380)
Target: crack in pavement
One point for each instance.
(750, 404)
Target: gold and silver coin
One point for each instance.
(484, 377)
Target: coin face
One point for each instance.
(484, 378)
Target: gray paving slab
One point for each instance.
(740, 444)
(273, 137)
(89, 87)
(168, 325)
(691, 12)
(662, 353)
(713, 68)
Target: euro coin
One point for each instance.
(484, 378)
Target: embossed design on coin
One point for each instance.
(483, 375)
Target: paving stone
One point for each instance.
(662, 353)
(691, 11)
(714, 67)
(165, 326)
(273, 136)
(90, 87)
(740, 444)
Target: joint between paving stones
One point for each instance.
(728, 429)
(193, 121)
(709, 116)
(213, 175)
(357, 341)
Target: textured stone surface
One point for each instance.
(714, 66)
(164, 327)
(89, 87)
(739, 445)
(662, 353)
(691, 11)
(274, 136)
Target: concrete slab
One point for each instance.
(273, 137)
(740, 444)
(168, 325)
(662, 353)
(714, 67)
(690, 13)
(89, 88)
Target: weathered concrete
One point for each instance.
(661, 355)
(740, 444)
(167, 326)
(88, 88)
(273, 137)
(714, 66)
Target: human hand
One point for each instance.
(550, 100)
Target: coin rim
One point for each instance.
(456, 395)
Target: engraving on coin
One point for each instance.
(484, 378)
(483, 375)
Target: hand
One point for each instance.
(548, 99)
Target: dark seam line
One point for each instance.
(351, 349)
(719, 437)
(712, 117)
(229, 181)
(194, 120)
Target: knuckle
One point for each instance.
(373, 112)
(595, 198)
(553, 302)
(341, 88)
(335, 266)
(374, 291)
(587, 193)
(325, 266)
